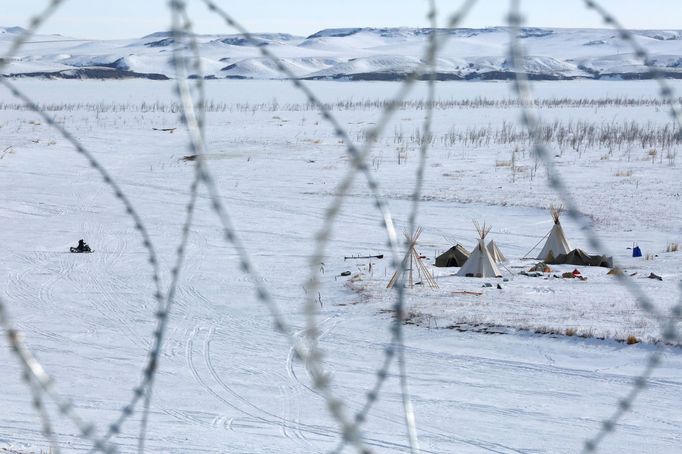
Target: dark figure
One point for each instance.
(82, 247)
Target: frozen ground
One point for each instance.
(227, 381)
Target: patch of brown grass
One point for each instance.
(631, 340)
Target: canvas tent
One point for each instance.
(556, 243)
(580, 257)
(480, 262)
(495, 252)
(455, 256)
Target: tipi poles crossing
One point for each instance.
(414, 259)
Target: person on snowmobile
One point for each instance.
(82, 246)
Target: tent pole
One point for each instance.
(536, 244)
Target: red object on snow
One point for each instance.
(576, 272)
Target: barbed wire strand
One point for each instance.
(668, 326)
(177, 32)
(439, 40)
(324, 234)
(313, 357)
(39, 406)
(33, 370)
(231, 235)
(528, 119)
(161, 315)
(34, 23)
(161, 318)
(412, 218)
(150, 367)
(249, 36)
(665, 89)
(27, 377)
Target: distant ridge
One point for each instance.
(359, 53)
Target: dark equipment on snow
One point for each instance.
(580, 257)
(82, 247)
(357, 257)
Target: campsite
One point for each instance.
(295, 244)
(221, 349)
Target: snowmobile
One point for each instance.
(82, 247)
(79, 251)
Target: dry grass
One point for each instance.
(586, 333)
(624, 173)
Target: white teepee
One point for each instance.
(411, 260)
(495, 252)
(480, 263)
(556, 241)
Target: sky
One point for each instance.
(106, 19)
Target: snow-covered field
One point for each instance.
(227, 381)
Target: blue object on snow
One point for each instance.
(636, 251)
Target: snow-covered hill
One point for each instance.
(354, 54)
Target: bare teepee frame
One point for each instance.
(412, 259)
(482, 231)
(556, 212)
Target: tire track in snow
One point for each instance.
(209, 364)
(329, 433)
(107, 307)
(290, 393)
(465, 362)
(326, 327)
(424, 428)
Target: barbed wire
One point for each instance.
(44, 416)
(33, 24)
(34, 369)
(432, 16)
(39, 382)
(193, 117)
(533, 124)
(178, 31)
(312, 356)
(151, 364)
(324, 234)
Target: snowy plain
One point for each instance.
(227, 381)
